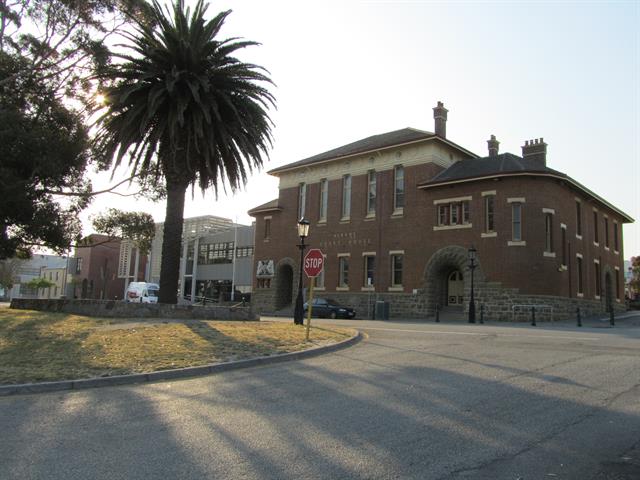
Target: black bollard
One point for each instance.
(482, 313)
(579, 320)
(611, 319)
(437, 313)
(533, 316)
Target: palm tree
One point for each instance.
(181, 108)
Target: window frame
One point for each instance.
(343, 271)
(302, 200)
(516, 206)
(346, 197)
(398, 189)
(489, 213)
(372, 183)
(394, 270)
(369, 269)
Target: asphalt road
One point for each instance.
(413, 400)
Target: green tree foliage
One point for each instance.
(634, 283)
(8, 272)
(182, 108)
(39, 282)
(48, 51)
(136, 226)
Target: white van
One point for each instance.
(142, 292)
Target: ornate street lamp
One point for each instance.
(303, 232)
(472, 267)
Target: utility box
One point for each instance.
(381, 310)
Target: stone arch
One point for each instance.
(436, 273)
(284, 283)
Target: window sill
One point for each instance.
(368, 289)
(370, 216)
(396, 289)
(580, 295)
(597, 297)
(321, 223)
(579, 237)
(488, 234)
(266, 240)
(342, 289)
(607, 248)
(318, 289)
(616, 252)
(438, 228)
(398, 212)
(520, 243)
(549, 254)
(563, 268)
(596, 244)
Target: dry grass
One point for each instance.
(39, 346)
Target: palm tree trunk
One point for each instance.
(171, 242)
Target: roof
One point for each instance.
(507, 164)
(369, 144)
(266, 207)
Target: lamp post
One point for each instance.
(472, 267)
(303, 232)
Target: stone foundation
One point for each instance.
(120, 309)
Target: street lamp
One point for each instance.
(472, 267)
(303, 232)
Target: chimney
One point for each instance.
(535, 150)
(493, 145)
(440, 117)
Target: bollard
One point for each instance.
(579, 320)
(437, 313)
(611, 319)
(482, 313)
(533, 316)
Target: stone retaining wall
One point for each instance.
(120, 309)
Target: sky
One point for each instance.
(565, 71)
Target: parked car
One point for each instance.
(142, 292)
(328, 308)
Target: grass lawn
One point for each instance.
(39, 346)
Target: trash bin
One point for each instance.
(381, 310)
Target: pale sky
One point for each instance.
(565, 71)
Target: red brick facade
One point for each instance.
(519, 270)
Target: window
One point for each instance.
(396, 270)
(346, 196)
(564, 245)
(343, 280)
(597, 269)
(398, 197)
(455, 213)
(579, 272)
(267, 228)
(606, 232)
(489, 206)
(516, 222)
(578, 218)
(242, 252)
(324, 197)
(548, 232)
(615, 236)
(214, 253)
(369, 270)
(371, 193)
(302, 199)
(57, 273)
(595, 226)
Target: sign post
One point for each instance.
(313, 265)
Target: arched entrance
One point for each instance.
(284, 286)
(455, 288)
(448, 279)
(608, 292)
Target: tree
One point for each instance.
(181, 108)
(49, 49)
(634, 282)
(8, 271)
(39, 282)
(135, 226)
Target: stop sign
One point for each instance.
(313, 262)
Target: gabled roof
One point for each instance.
(271, 206)
(370, 144)
(506, 165)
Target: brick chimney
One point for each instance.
(535, 150)
(493, 145)
(440, 117)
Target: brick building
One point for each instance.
(396, 213)
(95, 269)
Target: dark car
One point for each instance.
(327, 308)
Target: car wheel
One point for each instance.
(333, 315)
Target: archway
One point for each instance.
(448, 279)
(284, 286)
